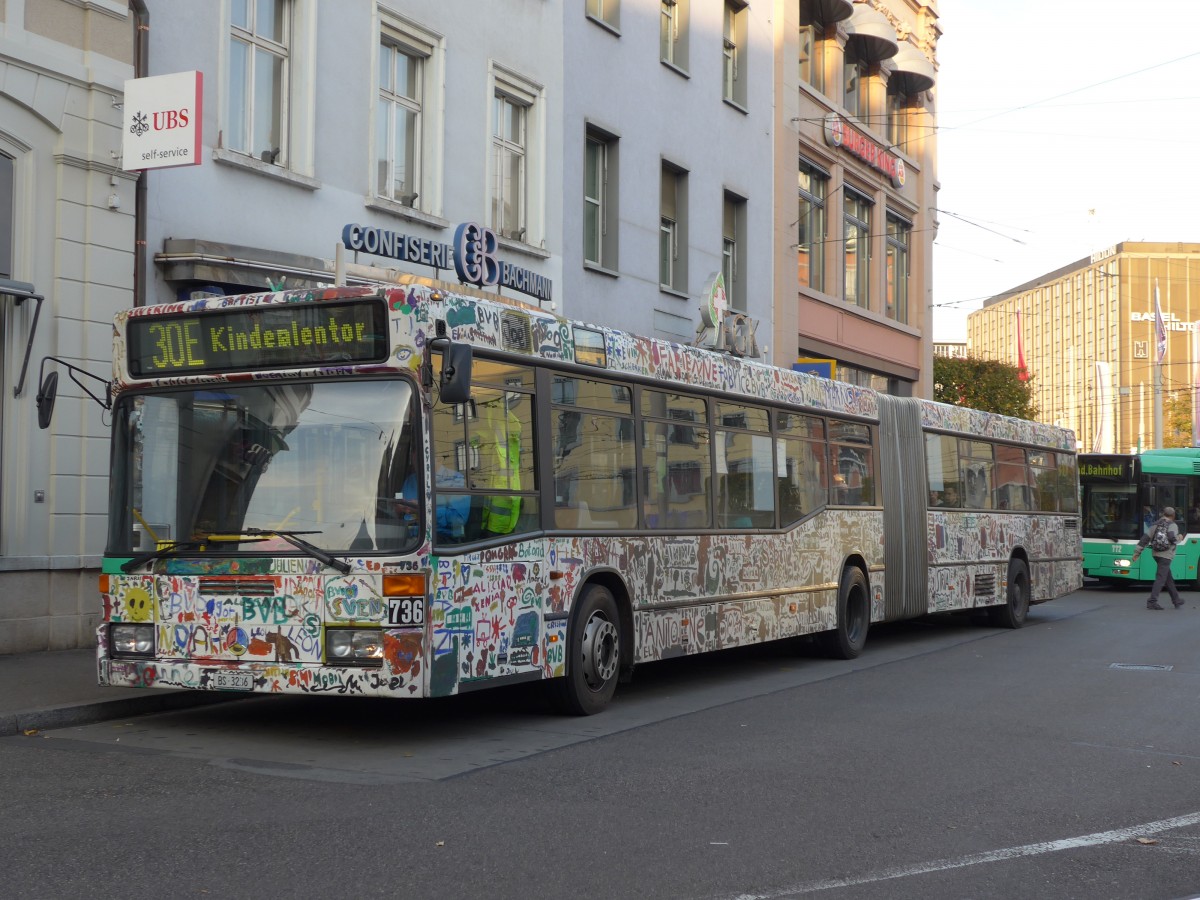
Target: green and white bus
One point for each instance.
(412, 491)
(1122, 494)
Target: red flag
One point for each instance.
(1022, 372)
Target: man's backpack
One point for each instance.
(1161, 539)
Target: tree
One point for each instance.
(983, 384)
(1177, 419)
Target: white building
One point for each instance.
(66, 234)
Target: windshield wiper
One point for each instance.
(138, 561)
(292, 537)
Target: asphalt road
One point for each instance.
(951, 760)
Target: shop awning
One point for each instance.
(872, 34)
(914, 73)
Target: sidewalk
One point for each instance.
(58, 689)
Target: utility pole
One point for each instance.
(1160, 350)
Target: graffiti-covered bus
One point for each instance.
(412, 491)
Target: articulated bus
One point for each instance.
(413, 491)
(1122, 495)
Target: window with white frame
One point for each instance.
(672, 236)
(516, 163)
(606, 11)
(856, 215)
(734, 28)
(400, 119)
(672, 32)
(898, 232)
(733, 244)
(599, 199)
(813, 226)
(258, 79)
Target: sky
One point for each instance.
(1064, 127)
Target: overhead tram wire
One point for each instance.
(1077, 90)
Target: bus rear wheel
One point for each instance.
(593, 655)
(847, 640)
(1016, 606)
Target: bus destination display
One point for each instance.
(284, 336)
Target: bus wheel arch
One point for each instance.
(849, 635)
(1017, 593)
(599, 646)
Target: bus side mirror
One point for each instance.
(455, 379)
(47, 392)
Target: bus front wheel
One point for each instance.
(1016, 606)
(593, 655)
(847, 640)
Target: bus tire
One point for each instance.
(593, 655)
(847, 640)
(1016, 605)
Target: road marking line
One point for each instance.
(941, 865)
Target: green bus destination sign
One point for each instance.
(1115, 468)
(288, 335)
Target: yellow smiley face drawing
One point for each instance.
(137, 605)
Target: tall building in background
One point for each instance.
(855, 183)
(1088, 335)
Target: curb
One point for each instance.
(89, 713)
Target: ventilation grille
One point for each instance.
(985, 585)
(1071, 523)
(238, 587)
(514, 333)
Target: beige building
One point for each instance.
(67, 235)
(1088, 335)
(856, 140)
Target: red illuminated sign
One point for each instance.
(840, 133)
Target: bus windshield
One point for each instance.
(1111, 511)
(332, 461)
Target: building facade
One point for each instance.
(67, 239)
(1087, 334)
(950, 349)
(855, 183)
(441, 114)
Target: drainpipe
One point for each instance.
(141, 68)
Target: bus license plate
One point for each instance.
(234, 681)
(406, 611)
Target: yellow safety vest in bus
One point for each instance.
(500, 512)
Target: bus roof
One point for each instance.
(492, 322)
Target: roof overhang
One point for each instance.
(872, 34)
(914, 73)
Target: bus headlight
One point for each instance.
(131, 640)
(354, 646)
(1122, 563)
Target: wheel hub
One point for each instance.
(599, 652)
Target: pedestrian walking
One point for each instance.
(1162, 537)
